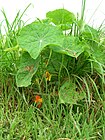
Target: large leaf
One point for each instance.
(90, 33)
(61, 17)
(27, 68)
(70, 46)
(98, 52)
(68, 93)
(35, 36)
(97, 56)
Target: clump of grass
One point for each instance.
(20, 119)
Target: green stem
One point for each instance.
(83, 9)
(59, 74)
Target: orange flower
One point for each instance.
(38, 101)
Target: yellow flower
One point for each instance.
(48, 76)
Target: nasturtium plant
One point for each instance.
(68, 93)
(63, 45)
(26, 69)
(95, 49)
(90, 34)
(70, 46)
(98, 58)
(36, 36)
(55, 60)
(62, 17)
(99, 54)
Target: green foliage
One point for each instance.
(20, 120)
(78, 52)
(36, 36)
(68, 93)
(27, 68)
(71, 46)
(62, 59)
(62, 17)
(41, 47)
(90, 34)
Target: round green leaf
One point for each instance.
(68, 93)
(61, 16)
(70, 46)
(27, 68)
(34, 37)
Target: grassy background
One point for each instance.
(20, 119)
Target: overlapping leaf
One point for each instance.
(90, 33)
(27, 68)
(68, 93)
(36, 36)
(98, 57)
(70, 46)
(61, 17)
